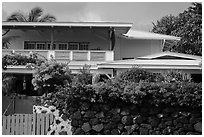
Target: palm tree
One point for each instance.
(35, 15)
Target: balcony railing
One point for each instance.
(65, 55)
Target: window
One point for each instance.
(73, 46)
(48, 46)
(62, 46)
(83, 46)
(40, 45)
(29, 45)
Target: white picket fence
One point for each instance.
(26, 124)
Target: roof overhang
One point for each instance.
(154, 64)
(171, 54)
(121, 26)
(135, 34)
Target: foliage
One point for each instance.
(8, 83)
(187, 25)
(84, 77)
(178, 93)
(49, 75)
(35, 15)
(18, 59)
(137, 74)
(175, 76)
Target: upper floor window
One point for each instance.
(73, 46)
(83, 46)
(29, 45)
(63, 46)
(40, 45)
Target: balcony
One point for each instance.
(66, 55)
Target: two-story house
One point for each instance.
(109, 47)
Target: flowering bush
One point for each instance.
(49, 75)
(18, 59)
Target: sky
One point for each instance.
(141, 14)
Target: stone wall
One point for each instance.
(129, 119)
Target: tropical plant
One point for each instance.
(35, 15)
(187, 25)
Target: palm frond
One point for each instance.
(17, 17)
(48, 18)
(35, 14)
(6, 41)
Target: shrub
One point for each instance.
(175, 76)
(49, 75)
(84, 77)
(162, 93)
(18, 59)
(138, 74)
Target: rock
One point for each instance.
(98, 127)
(120, 127)
(74, 123)
(179, 125)
(198, 127)
(130, 129)
(105, 108)
(79, 131)
(194, 120)
(116, 118)
(125, 112)
(127, 120)
(167, 131)
(100, 115)
(138, 119)
(106, 132)
(135, 133)
(89, 114)
(161, 125)
(143, 131)
(93, 121)
(76, 115)
(168, 123)
(115, 132)
(105, 120)
(175, 133)
(110, 125)
(63, 133)
(147, 126)
(182, 119)
(153, 121)
(188, 127)
(124, 133)
(85, 106)
(115, 111)
(86, 127)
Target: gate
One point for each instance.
(20, 104)
(26, 124)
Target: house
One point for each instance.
(109, 47)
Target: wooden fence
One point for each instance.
(26, 124)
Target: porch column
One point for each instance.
(52, 39)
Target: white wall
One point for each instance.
(129, 48)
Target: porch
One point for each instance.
(67, 55)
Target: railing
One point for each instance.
(26, 124)
(65, 55)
